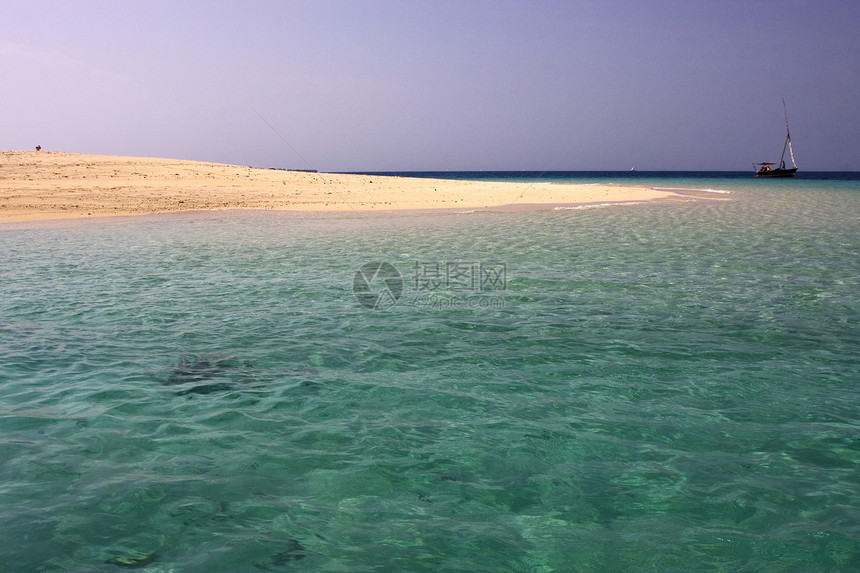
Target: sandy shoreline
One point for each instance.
(47, 185)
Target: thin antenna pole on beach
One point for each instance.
(310, 168)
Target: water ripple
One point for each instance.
(663, 385)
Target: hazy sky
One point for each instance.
(436, 85)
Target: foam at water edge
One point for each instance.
(596, 205)
(690, 189)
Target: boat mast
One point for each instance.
(787, 138)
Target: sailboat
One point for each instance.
(766, 169)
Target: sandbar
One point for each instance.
(47, 185)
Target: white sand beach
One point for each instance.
(45, 185)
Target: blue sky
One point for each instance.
(436, 85)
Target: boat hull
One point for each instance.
(776, 172)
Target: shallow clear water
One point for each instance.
(660, 387)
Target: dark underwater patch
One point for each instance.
(197, 370)
(207, 375)
(212, 374)
(293, 551)
(132, 559)
(206, 388)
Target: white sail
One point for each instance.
(787, 138)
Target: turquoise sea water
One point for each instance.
(653, 387)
